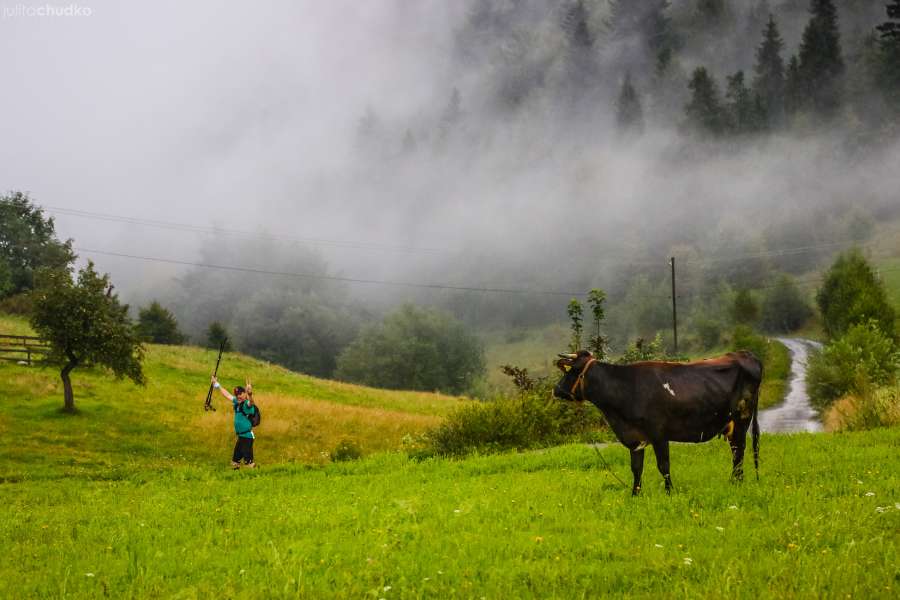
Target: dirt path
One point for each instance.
(795, 413)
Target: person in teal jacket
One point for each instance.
(242, 403)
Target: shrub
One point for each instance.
(414, 349)
(346, 450)
(642, 350)
(20, 304)
(878, 408)
(533, 418)
(743, 338)
(215, 335)
(744, 309)
(157, 325)
(852, 294)
(784, 308)
(863, 358)
(709, 332)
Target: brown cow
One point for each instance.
(653, 403)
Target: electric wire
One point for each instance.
(433, 286)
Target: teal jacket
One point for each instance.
(242, 426)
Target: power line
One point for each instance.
(434, 286)
(237, 232)
(624, 261)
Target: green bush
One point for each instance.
(414, 349)
(784, 307)
(743, 338)
(863, 358)
(531, 419)
(346, 450)
(157, 325)
(853, 294)
(19, 304)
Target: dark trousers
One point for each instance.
(243, 449)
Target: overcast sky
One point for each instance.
(242, 115)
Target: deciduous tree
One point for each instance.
(85, 325)
(27, 243)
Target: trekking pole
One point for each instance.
(208, 405)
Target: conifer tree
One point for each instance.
(580, 46)
(768, 81)
(646, 21)
(821, 60)
(705, 112)
(741, 107)
(888, 69)
(793, 88)
(629, 114)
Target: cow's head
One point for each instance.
(572, 367)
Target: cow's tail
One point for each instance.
(755, 430)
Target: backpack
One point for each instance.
(254, 418)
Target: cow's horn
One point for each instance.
(572, 356)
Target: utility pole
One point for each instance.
(674, 307)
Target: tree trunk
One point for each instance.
(69, 405)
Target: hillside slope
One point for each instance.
(119, 423)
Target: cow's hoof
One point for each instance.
(636, 491)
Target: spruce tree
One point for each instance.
(768, 81)
(580, 46)
(646, 21)
(704, 112)
(793, 88)
(741, 106)
(629, 114)
(888, 68)
(821, 60)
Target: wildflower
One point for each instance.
(88, 574)
(456, 511)
(242, 571)
(792, 546)
(387, 588)
(868, 494)
(881, 509)
(688, 560)
(658, 545)
(720, 529)
(732, 507)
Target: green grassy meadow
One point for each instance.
(132, 498)
(823, 521)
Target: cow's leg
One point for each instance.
(637, 469)
(662, 463)
(738, 442)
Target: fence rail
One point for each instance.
(23, 348)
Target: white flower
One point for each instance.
(688, 560)
(720, 529)
(733, 507)
(387, 588)
(870, 494)
(658, 545)
(456, 511)
(88, 574)
(881, 509)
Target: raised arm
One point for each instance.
(216, 385)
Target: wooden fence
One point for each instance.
(23, 348)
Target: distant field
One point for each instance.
(120, 423)
(822, 521)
